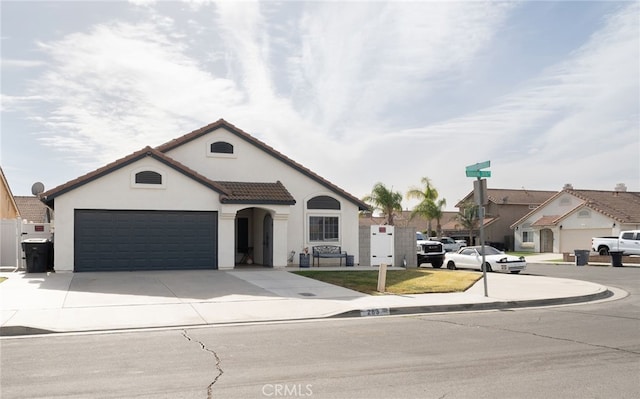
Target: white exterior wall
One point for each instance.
(116, 191)
(249, 163)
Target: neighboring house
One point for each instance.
(211, 199)
(33, 210)
(8, 207)
(504, 207)
(568, 220)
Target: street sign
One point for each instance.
(478, 173)
(478, 166)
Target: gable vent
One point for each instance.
(148, 177)
(221, 147)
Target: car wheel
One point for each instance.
(437, 265)
(515, 271)
(451, 265)
(419, 260)
(604, 251)
(487, 266)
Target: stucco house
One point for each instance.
(503, 208)
(8, 207)
(568, 220)
(212, 199)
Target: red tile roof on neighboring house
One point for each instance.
(221, 123)
(32, 209)
(513, 197)
(621, 206)
(546, 221)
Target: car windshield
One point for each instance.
(420, 236)
(489, 251)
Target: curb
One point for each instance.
(15, 331)
(499, 305)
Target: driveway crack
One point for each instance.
(219, 370)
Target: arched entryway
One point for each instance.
(546, 240)
(254, 237)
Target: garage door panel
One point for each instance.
(144, 240)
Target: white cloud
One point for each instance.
(340, 87)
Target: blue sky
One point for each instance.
(359, 92)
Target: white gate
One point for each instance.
(382, 243)
(12, 233)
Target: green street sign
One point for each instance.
(478, 173)
(478, 166)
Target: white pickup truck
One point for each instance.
(628, 243)
(448, 243)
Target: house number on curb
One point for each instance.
(375, 312)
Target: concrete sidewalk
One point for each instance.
(68, 302)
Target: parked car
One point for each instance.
(495, 260)
(448, 243)
(628, 242)
(463, 243)
(429, 251)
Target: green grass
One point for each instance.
(412, 281)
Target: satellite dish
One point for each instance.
(37, 188)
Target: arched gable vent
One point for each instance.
(221, 147)
(323, 202)
(148, 177)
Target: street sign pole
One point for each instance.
(474, 171)
(481, 219)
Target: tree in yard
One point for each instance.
(385, 200)
(468, 218)
(429, 206)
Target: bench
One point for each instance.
(328, 251)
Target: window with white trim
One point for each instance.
(324, 223)
(324, 228)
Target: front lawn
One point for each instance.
(412, 281)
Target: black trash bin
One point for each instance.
(38, 253)
(616, 258)
(304, 260)
(350, 260)
(582, 257)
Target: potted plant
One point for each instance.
(304, 257)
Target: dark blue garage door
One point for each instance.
(108, 240)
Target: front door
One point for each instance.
(267, 241)
(546, 240)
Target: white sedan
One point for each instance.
(495, 260)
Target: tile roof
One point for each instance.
(513, 197)
(230, 192)
(32, 209)
(221, 123)
(49, 196)
(255, 193)
(622, 206)
(546, 221)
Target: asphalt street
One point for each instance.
(578, 351)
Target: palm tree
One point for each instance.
(468, 218)
(385, 200)
(429, 207)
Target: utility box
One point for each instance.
(382, 245)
